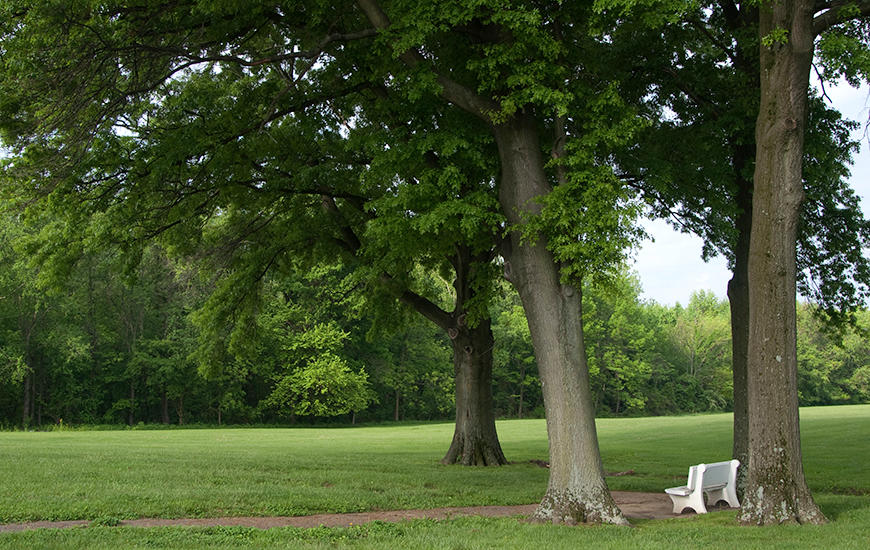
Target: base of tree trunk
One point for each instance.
(474, 451)
(767, 511)
(566, 508)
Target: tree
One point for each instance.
(701, 334)
(506, 39)
(511, 75)
(702, 70)
(22, 304)
(314, 193)
(830, 363)
(316, 380)
(776, 488)
(177, 79)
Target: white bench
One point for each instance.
(717, 480)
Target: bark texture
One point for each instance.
(576, 491)
(475, 441)
(776, 488)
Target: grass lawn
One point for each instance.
(202, 473)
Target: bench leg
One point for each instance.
(679, 503)
(695, 501)
(728, 494)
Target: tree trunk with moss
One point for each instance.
(576, 491)
(776, 489)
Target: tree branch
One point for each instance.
(832, 16)
(703, 29)
(452, 91)
(426, 308)
(303, 54)
(348, 236)
(822, 83)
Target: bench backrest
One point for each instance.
(717, 473)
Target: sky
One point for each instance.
(671, 268)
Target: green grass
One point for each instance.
(202, 473)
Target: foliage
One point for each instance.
(621, 352)
(109, 352)
(517, 388)
(324, 387)
(694, 160)
(832, 368)
(315, 380)
(292, 191)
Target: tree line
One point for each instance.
(477, 141)
(116, 350)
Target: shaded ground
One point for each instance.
(633, 505)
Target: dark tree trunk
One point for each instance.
(577, 491)
(179, 410)
(164, 408)
(130, 413)
(475, 441)
(27, 401)
(522, 390)
(738, 299)
(38, 402)
(776, 489)
(396, 408)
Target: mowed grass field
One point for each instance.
(113, 475)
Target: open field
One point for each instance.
(108, 476)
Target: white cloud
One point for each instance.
(671, 268)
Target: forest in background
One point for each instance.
(137, 346)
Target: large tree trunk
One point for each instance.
(475, 441)
(776, 490)
(577, 491)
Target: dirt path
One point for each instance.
(633, 505)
